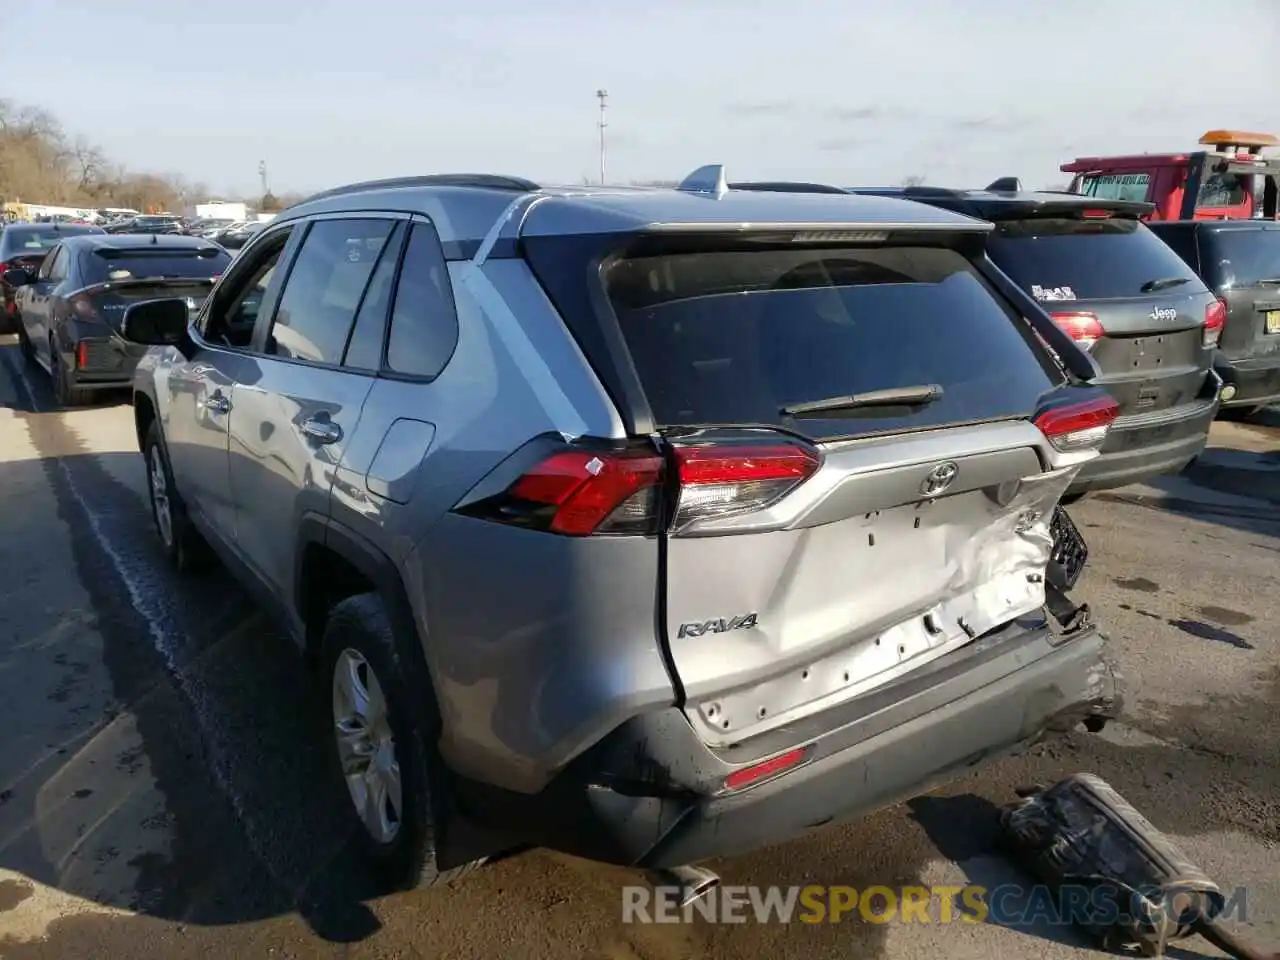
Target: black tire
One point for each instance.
(183, 546)
(64, 389)
(363, 626)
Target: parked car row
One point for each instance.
(66, 289)
(767, 478)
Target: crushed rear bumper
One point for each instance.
(650, 793)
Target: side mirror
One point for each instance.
(157, 323)
(17, 277)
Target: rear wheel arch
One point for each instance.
(144, 414)
(334, 562)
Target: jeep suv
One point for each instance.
(645, 525)
(1127, 299)
(1239, 260)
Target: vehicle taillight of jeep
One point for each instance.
(1215, 318)
(591, 492)
(1083, 328)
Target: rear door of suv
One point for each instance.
(816, 548)
(1122, 294)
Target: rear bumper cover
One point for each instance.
(647, 795)
(1257, 381)
(1143, 446)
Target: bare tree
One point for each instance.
(914, 180)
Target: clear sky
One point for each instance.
(845, 91)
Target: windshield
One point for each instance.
(1066, 259)
(101, 266)
(1116, 186)
(1240, 258)
(732, 337)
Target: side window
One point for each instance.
(1221, 190)
(58, 269)
(48, 263)
(424, 323)
(364, 350)
(325, 287)
(231, 318)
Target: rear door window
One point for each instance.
(733, 337)
(1066, 259)
(1242, 258)
(325, 287)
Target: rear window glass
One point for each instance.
(99, 266)
(732, 337)
(1065, 259)
(1117, 186)
(17, 240)
(1241, 257)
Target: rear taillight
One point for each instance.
(720, 480)
(82, 355)
(1078, 426)
(1215, 318)
(581, 492)
(1083, 328)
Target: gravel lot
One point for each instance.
(160, 791)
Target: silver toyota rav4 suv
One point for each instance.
(646, 525)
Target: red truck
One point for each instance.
(1231, 180)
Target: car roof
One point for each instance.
(466, 207)
(70, 229)
(989, 204)
(134, 241)
(1216, 226)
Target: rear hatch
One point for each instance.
(121, 276)
(1122, 294)
(1243, 265)
(816, 548)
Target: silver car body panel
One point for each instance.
(538, 645)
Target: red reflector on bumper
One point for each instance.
(765, 769)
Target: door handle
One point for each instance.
(216, 404)
(322, 430)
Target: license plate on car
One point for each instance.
(1272, 321)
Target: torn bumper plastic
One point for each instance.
(651, 794)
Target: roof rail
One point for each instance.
(787, 186)
(487, 181)
(1005, 185)
(709, 180)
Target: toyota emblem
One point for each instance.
(939, 478)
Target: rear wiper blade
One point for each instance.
(891, 397)
(1164, 283)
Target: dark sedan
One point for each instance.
(23, 246)
(69, 310)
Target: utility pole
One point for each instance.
(602, 96)
(262, 174)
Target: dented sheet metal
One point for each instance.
(845, 605)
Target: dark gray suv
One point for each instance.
(647, 525)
